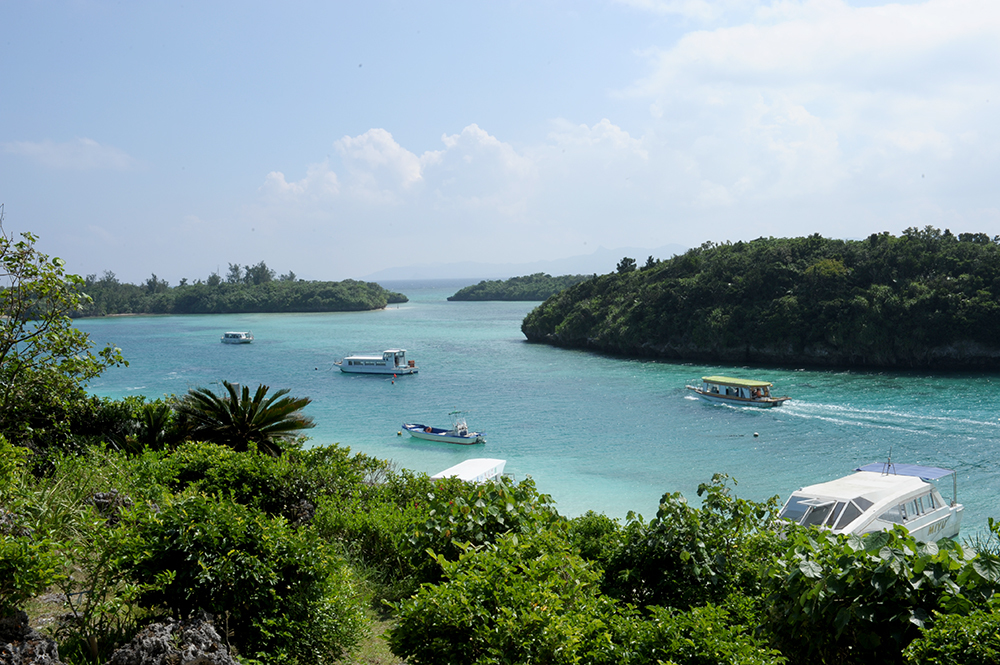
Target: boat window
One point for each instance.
(817, 514)
(794, 509)
(932, 503)
(834, 513)
(851, 513)
(863, 503)
(894, 515)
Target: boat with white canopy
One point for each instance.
(877, 497)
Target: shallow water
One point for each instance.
(595, 432)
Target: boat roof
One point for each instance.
(471, 469)
(872, 485)
(924, 472)
(376, 355)
(739, 383)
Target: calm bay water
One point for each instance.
(597, 433)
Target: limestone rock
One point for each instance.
(20, 644)
(175, 643)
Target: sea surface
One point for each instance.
(595, 432)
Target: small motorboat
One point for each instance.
(237, 337)
(738, 392)
(459, 432)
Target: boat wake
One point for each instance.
(890, 419)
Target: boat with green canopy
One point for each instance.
(737, 392)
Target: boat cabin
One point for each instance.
(391, 361)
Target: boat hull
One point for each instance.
(443, 435)
(367, 369)
(759, 402)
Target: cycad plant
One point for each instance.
(237, 420)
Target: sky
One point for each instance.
(337, 139)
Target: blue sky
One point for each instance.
(339, 139)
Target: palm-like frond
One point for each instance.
(236, 419)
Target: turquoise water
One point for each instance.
(595, 432)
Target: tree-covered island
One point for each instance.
(538, 286)
(245, 289)
(925, 299)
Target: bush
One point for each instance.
(279, 590)
(863, 598)
(702, 636)
(958, 640)
(478, 516)
(688, 556)
(288, 486)
(522, 599)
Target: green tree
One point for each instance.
(238, 420)
(625, 265)
(44, 360)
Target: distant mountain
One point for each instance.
(600, 262)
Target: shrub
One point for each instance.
(279, 590)
(701, 636)
(522, 599)
(838, 597)
(958, 640)
(478, 516)
(688, 556)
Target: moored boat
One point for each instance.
(738, 392)
(392, 361)
(459, 433)
(477, 470)
(877, 497)
(237, 337)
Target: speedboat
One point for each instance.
(392, 361)
(876, 498)
(459, 433)
(477, 470)
(237, 337)
(738, 392)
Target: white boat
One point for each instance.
(459, 432)
(477, 470)
(237, 337)
(392, 361)
(877, 497)
(738, 392)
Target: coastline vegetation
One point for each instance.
(927, 299)
(246, 289)
(118, 513)
(538, 286)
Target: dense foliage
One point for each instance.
(256, 290)
(924, 299)
(538, 286)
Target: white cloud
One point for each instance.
(79, 155)
(806, 97)
(319, 182)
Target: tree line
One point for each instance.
(245, 289)
(926, 298)
(538, 286)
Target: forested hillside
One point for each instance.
(924, 299)
(538, 286)
(253, 289)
